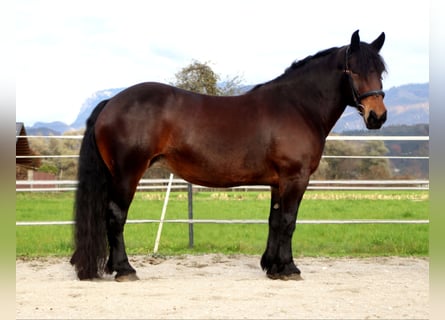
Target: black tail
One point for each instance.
(91, 205)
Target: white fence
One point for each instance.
(180, 184)
(159, 184)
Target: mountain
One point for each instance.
(90, 103)
(48, 128)
(407, 105)
(407, 95)
(43, 131)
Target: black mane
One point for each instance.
(298, 64)
(369, 60)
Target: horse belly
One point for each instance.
(220, 170)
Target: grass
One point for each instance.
(308, 240)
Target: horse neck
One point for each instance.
(316, 89)
(328, 102)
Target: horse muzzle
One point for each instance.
(373, 121)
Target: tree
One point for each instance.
(344, 168)
(63, 168)
(338, 168)
(375, 168)
(200, 78)
(231, 86)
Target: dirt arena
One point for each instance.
(229, 287)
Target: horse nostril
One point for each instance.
(372, 116)
(383, 117)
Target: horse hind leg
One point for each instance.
(121, 197)
(118, 259)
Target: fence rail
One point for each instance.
(180, 184)
(332, 138)
(324, 157)
(357, 138)
(232, 221)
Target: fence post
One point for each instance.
(164, 210)
(190, 212)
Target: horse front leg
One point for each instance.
(277, 260)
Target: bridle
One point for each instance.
(356, 96)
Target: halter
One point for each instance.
(355, 95)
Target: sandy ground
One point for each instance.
(218, 286)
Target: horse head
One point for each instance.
(364, 68)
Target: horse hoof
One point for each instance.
(126, 277)
(285, 277)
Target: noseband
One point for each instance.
(357, 97)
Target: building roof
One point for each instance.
(22, 145)
(19, 130)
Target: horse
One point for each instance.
(273, 134)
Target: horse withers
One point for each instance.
(272, 135)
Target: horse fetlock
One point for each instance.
(288, 271)
(121, 265)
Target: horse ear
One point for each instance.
(355, 42)
(377, 44)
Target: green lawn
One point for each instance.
(309, 239)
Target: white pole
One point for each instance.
(164, 210)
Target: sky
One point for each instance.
(67, 50)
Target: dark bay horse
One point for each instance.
(272, 135)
